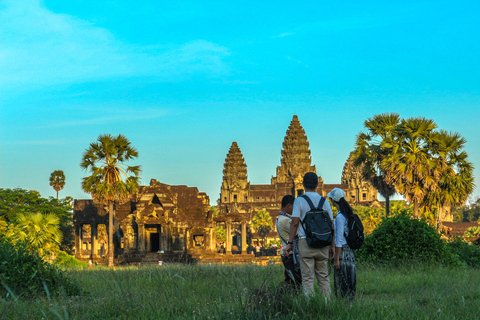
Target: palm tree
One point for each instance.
(57, 180)
(410, 164)
(111, 180)
(41, 232)
(456, 182)
(262, 223)
(369, 152)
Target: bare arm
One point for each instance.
(331, 251)
(338, 251)
(293, 233)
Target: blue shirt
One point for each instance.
(340, 229)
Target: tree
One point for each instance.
(111, 180)
(220, 234)
(262, 223)
(370, 152)
(57, 180)
(456, 180)
(409, 163)
(472, 232)
(41, 232)
(19, 201)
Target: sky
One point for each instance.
(182, 80)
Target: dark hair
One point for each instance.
(287, 199)
(310, 180)
(344, 207)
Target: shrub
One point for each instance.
(401, 238)
(25, 274)
(64, 260)
(466, 253)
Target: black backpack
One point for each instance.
(317, 225)
(355, 236)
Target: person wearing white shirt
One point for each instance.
(345, 275)
(313, 261)
(293, 277)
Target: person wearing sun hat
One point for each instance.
(345, 277)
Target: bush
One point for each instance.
(64, 260)
(24, 273)
(401, 238)
(466, 253)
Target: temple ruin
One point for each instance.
(175, 221)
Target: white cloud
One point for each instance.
(38, 46)
(115, 115)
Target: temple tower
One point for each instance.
(360, 192)
(296, 159)
(235, 184)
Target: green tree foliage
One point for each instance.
(468, 212)
(472, 232)
(25, 274)
(214, 210)
(401, 238)
(16, 202)
(57, 180)
(466, 253)
(262, 223)
(220, 234)
(370, 152)
(111, 180)
(41, 232)
(429, 167)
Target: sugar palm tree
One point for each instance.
(57, 180)
(262, 223)
(369, 152)
(456, 181)
(41, 232)
(410, 164)
(111, 180)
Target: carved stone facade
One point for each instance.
(159, 217)
(238, 196)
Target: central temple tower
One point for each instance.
(296, 159)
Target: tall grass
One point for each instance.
(251, 292)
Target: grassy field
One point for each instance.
(251, 292)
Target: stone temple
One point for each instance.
(176, 220)
(239, 197)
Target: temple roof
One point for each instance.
(235, 168)
(296, 160)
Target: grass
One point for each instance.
(251, 292)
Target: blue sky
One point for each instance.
(184, 79)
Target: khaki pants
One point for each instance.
(314, 263)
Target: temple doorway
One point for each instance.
(155, 242)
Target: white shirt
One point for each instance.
(283, 229)
(340, 230)
(300, 207)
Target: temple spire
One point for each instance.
(234, 170)
(296, 159)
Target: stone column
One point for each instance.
(93, 228)
(212, 240)
(141, 238)
(244, 237)
(78, 230)
(187, 239)
(229, 237)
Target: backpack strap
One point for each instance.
(320, 204)
(310, 203)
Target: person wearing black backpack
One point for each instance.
(312, 217)
(345, 276)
